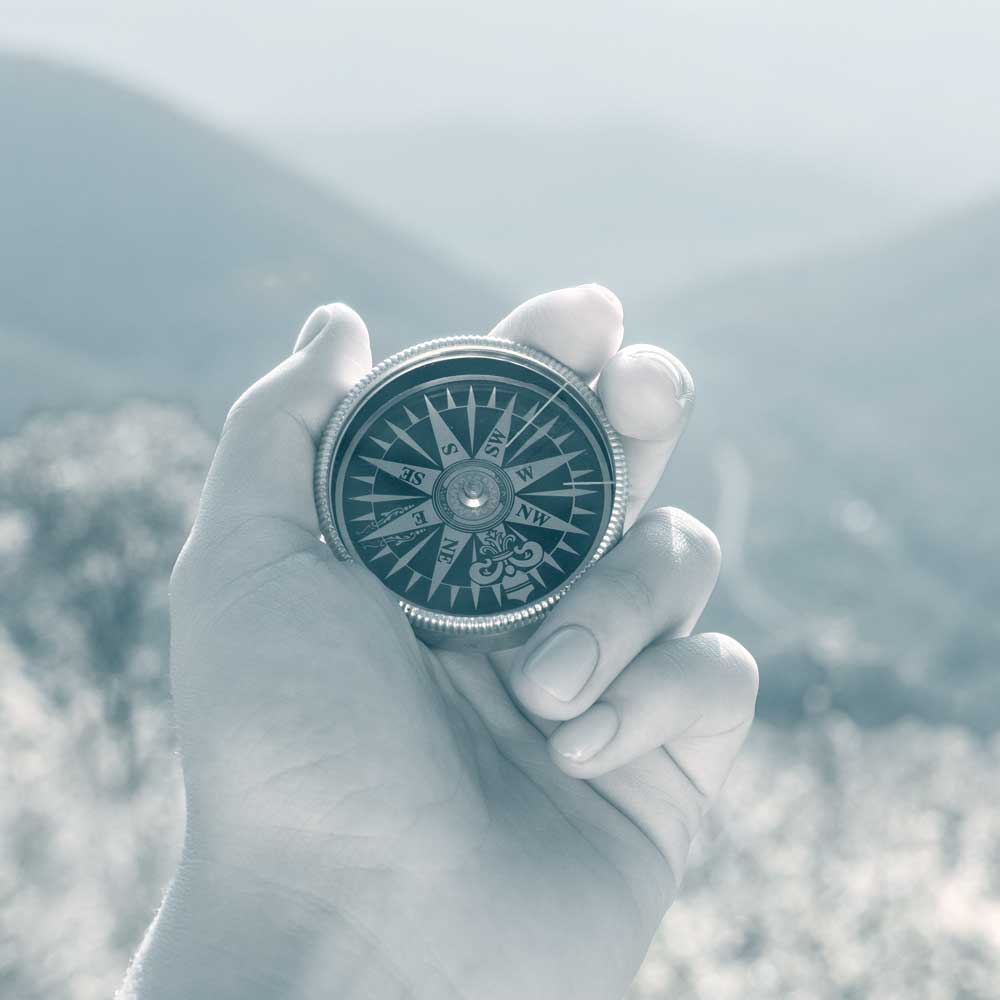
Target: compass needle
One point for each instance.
(559, 493)
(540, 432)
(535, 413)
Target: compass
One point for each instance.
(477, 479)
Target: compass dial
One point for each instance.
(475, 478)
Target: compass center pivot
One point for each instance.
(472, 491)
(473, 495)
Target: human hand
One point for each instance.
(371, 817)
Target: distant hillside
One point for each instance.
(844, 440)
(633, 203)
(847, 410)
(173, 259)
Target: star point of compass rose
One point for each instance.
(464, 499)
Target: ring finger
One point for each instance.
(681, 694)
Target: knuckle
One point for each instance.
(245, 409)
(261, 401)
(689, 536)
(261, 413)
(305, 560)
(628, 587)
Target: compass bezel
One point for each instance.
(486, 630)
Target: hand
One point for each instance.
(369, 817)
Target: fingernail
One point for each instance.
(580, 739)
(680, 377)
(563, 664)
(316, 323)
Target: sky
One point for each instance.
(905, 90)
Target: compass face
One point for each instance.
(475, 481)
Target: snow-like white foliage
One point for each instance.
(842, 861)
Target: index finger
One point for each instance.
(648, 396)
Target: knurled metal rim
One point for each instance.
(434, 622)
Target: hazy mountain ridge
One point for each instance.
(843, 446)
(201, 253)
(843, 404)
(636, 204)
(855, 396)
(885, 352)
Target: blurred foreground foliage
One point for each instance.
(844, 861)
(93, 509)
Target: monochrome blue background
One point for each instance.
(799, 200)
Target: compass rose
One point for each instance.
(474, 485)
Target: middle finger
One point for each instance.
(582, 327)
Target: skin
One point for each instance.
(368, 817)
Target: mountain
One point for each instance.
(144, 252)
(844, 441)
(845, 447)
(635, 204)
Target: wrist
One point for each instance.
(234, 928)
(225, 933)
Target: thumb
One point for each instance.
(258, 497)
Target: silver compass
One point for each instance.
(478, 479)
